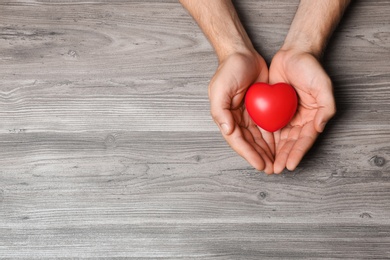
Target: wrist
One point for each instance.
(230, 39)
(298, 41)
(224, 52)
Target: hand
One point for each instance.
(226, 92)
(239, 68)
(316, 105)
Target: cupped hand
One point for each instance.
(226, 92)
(316, 105)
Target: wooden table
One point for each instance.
(108, 149)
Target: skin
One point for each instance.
(296, 63)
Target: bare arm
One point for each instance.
(297, 63)
(313, 25)
(239, 67)
(220, 23)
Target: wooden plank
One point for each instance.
(106, 106)
(206, 241)
(62, 62)
(200, 164)
(107, 148)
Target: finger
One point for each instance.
(269, 138)
(263, 76)
(322, 117)
(277, 141)
(305, 141)
(224, 120)
(285, 147)
(238, 143)
(276, 76)
(281, 137)
(269, 165)
(220, 105)
(261, 148)
(326, 104)
(258, 138)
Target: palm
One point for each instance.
(226, 91)
(314, 90)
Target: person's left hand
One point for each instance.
(315, 108)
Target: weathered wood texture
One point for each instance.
(107, 148)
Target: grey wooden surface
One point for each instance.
(107, 148)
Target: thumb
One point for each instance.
(224, 120)
(220, 108)
(327, 109)
(321, 119)
(222, 116)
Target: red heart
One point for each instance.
(271, 106)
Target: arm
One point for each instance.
(220, 23)
(313, 24)
(239, 66)
(297, 63)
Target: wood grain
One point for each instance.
(108, 150)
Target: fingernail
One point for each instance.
(225, 128)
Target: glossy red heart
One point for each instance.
(271, 106)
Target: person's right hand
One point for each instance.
(226, 92)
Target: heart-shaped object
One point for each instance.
(271, 107)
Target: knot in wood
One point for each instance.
(379, 161)
(262, 195)
(73, 53)
(365, 215)
(110, 141)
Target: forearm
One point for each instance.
(219, 21)
(313, 25)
